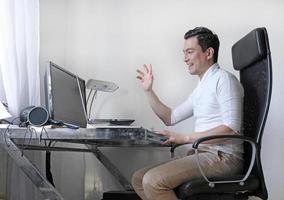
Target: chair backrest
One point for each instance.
(251, 56)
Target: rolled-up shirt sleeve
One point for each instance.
(230, 97)
(182, 112)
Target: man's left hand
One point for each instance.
(174, 138)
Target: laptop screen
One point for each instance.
(65, 100)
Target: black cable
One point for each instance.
(7, 130)
(43, 130)
(31, 130)
(48, 166)
(4, 121)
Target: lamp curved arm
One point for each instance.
(91, 104)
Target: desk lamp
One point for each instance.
(98, 85)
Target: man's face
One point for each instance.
(197, 60)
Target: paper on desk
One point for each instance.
(3, 112)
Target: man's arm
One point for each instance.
(161, 110)
(190, 138)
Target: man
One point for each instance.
(216, 104)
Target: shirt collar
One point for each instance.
(209, 71)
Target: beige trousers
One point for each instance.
(157, 182)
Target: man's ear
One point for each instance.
(210, 53)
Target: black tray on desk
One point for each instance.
(116, 122)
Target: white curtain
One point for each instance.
(19, 57)
(20, 53)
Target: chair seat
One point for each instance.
(200, 186)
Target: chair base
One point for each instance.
(217, 197)
(120, 195)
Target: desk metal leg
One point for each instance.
(112, 168)
(47, 190)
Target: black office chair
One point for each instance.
(251, 56)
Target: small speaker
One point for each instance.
(34, 115)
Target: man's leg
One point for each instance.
(136, 181)
(158, 182)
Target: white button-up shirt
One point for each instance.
(217, 100)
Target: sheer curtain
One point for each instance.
(20, 53)
(19, 56)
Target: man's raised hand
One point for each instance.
(146, 77)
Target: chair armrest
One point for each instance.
(237, 137)
(173, 147)
(213, 137)
(203, 139)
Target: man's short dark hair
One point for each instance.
(206, 38)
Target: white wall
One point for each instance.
(110, 39)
